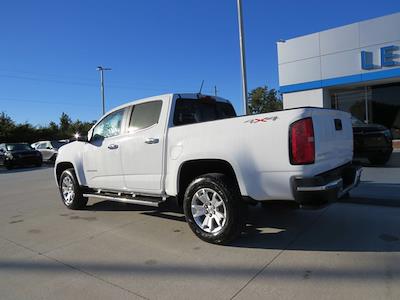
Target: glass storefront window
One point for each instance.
(352, 101)
(385, 107)
(379, 104)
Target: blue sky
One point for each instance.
(50, 49)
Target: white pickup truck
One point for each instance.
(193, 148)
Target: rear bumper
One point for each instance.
(328, 186)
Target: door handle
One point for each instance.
(151, 140)
(112, 146)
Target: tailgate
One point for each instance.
(333, 137)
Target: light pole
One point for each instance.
(101, 70)
(243, 58)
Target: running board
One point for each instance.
(148, 201)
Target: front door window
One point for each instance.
(109, 126)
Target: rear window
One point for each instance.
(190, 111)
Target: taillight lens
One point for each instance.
(302, 146)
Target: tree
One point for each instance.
(263, 100)
(6, 126)
(65, 123)
(12, 132)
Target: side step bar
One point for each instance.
(148, 201)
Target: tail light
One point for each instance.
(301, 143)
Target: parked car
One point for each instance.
(34, 145)
(49, 149)
(19, 154)
(193, 148)
(372, 141)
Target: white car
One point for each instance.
(49, 149)
(194, 149)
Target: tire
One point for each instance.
(379, 159)
(71, 194)
(9, 166)
(220, 209)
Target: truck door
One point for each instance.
(102, 154)
(142, 148)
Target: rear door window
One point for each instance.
(144, 115)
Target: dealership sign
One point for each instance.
(388, 58)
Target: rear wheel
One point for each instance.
(70, 191)
(214, 208)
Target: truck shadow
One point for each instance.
(167, 210)
(337, 227)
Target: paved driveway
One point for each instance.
(118, 251)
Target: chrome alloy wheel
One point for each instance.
(68, 192)
(208, 210)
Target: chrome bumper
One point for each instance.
(336, 183)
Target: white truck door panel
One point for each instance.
(142, 155)
(142, 148)
(102, 163)
(102, 155)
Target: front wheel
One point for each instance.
(214, 208)
(70, 191)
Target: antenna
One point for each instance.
(201, 87)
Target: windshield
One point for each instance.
(356, 121)
(57, 144)
(18, 147)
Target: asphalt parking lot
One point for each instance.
(116, 251)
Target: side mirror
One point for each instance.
(49, 148)
(97, 137)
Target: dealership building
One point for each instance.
(355, 68)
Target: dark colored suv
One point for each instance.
(19, 154)
(372, 141)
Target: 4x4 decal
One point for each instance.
(261, 120)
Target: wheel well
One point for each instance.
(194, 168)
(61, 167)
